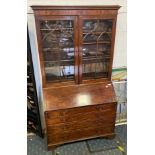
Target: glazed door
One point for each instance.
(58, 48)
(96, 48)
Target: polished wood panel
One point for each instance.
(78, 96)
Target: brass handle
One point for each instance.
(97, 131)
(67, 136)
(97, 122)
(100, 123)
(65, 127)
(98, 107)
(101, 108)
(62, 118)
(63, 137)
(62, 113)
(98, 115)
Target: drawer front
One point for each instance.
(80, 114)
(78, 110)
(80, 134)
(65, 127)
(82, 117)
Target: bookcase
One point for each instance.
(76, 47)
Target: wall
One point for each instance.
(120, 42)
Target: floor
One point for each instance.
(99, 146)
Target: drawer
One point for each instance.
(83, 117)
(80, 134)
(79, 110)
(89, 109)
(79, 114)
(69, 127)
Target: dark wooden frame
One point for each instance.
(77, 14)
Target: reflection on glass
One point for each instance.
(96, 48)
(58, 49)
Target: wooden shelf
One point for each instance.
(58, 50)
(59, 60)
(61, 63)
(50, 78)
(57, 29)
(84, 58)
(94, 57)
(100, 42)
(96, 32)
(95, 60)
(94, 75)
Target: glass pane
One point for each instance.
(96, 48)
(58, 49)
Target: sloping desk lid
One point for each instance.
(78, 96)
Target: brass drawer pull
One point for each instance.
(97, 122)
(64, 128)
(98, 131)
(62, 113)
(98, 115)
(62, 118)
(65, 137)
(98, 107)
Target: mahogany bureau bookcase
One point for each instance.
(76, 46)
